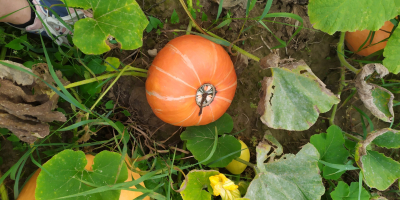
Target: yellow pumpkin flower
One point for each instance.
(224, 187)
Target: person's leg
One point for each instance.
(27, 19)
(9, 6)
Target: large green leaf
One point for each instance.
(377, 99)
(379, 171)
(390, 140)
(331, 148)
(122, 19)
(291, 177)
(391, 61)
(293, 98)
(351, 15)
(198, 181)
(200, 140)
(344, 192)
(67, 169)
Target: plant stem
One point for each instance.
(109, 87)
(352, 137)
(190, 16)
(74, 93)
(348, 98)
(331, 183)
(245, 162)
(341, 86)
(234, 47)
(102, 77)
(189, 28)
(181, 161)
(3, 53)
(340, 50)
(3, 190)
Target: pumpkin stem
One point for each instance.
(203, 98)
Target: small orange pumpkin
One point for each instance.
(191, 82)
(355, 39)
(28, 192)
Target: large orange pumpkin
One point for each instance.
(28, 192)
(355, 39)
(191, 82)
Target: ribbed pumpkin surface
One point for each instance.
(183, 66)
(355, 39)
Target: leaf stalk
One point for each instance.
(340, 50)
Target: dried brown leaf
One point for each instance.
(23, 113)
(269, 61)
(380, 106)
(25, 130)
(21, 78)
(85, 137)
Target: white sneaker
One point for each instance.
(54, 26)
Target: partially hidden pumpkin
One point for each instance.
(191, 82)
(236, 167)
(28, 192)
(355, 39)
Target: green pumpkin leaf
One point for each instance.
(123, 19)
(293, 98)
(200, 140)
(391, 61)
(291, 177)
(111, 64)
(377, 99)
(344, 192)
(198, 181)
(379, 171)
(96, 66)
(390, 140)
(350, 15)
(331, 148)
(67, 169)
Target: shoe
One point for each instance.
(54, 26)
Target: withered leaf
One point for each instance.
(293, 97)
(24, 113)
(270, 61)
(377, 99)
(17, 76)
(25, 130)
(378, 170)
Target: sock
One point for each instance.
(30, 22)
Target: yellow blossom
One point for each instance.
(224, 187)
